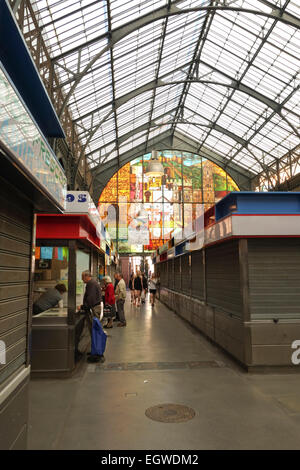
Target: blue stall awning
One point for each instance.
(19, 65)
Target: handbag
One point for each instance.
(107, 311)
(98, 338)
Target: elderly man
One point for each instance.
(92, 298)
(120, 298)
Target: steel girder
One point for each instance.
(143, 127)
(277, 13)
(235, 85)
(158, 14)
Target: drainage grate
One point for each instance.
(170, 413)
(158, 365)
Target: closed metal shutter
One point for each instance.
(177, 274)
(164, 274)
(223, 277)
(15, 257)
(171, 274)
(274, 278)
(185, 274)
(197, 275)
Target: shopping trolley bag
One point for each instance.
(98, 338)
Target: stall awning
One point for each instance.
(19, 65)
(67, 227)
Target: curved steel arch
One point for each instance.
(159, 14)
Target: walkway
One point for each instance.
(158, 359)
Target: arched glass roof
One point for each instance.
(222, 73)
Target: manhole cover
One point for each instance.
(170, 413)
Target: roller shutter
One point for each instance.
(15, 257)
(197, 275)
(177, 274)
(274, 278)
(171, 274)
(164, 274)
(223, 277)
(185, 274)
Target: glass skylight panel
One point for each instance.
(263, 142)
(109, 157)
(293, 8)
(139, 101)
(233, 125)
(232, 37)
(133, 113)
(263, 157)
(136, 136)
(62, 26)
(192, 3)
(159, 130)
(193, 131)
(248, 162)
(125, 11)
(164, 109)
(276, 130)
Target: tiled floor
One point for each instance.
(157, 359)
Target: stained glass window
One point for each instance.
(144, 212)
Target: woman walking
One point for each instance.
(153, 287)
(138, 287)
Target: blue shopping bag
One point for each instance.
(98, 338)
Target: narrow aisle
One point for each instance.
(159, 359)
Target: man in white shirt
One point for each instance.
(120, 299)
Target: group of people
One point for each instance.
(139, 287)
(113, 297)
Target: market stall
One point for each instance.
(66, 245)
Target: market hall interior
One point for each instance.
(161, 137)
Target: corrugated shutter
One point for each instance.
(223, 277)
(274, 278)
(15, 256)
(164, 274)
(185, 274)
(177, 274)
(171, 274)
(197, 275)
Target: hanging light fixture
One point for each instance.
(154, 167)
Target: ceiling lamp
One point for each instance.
(154, 167)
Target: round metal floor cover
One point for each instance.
(170, 413)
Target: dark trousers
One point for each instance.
(120, 305)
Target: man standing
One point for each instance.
(121, 297)
(91, 299)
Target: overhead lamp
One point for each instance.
(154, 167)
